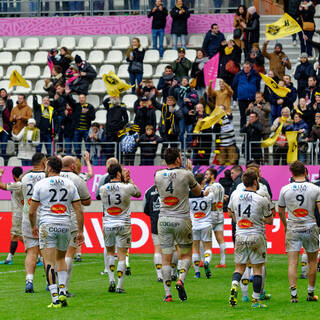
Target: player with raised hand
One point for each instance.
(54, 197)
(251, 212)
(116, 197)
(300, 197)
(174, 224)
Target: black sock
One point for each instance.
(257, 282)
(13, 247)
(236, 276)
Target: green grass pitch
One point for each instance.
(207, 299)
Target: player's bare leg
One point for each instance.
(293, 260)
(78, 257)
(110, 267)
(157, 259)
(222, 246)
(30, 267)
(312, 275)
(69, 263)
(121, 268)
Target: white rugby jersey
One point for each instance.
(55, 195)
(218, 192)
(173, 186)
(16, 197)
(84, 176)
(300, 199)
(116, 197)
(249, 209)
(200, 211)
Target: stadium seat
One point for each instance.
(11, 69)
(40, 57)
(23, 58)
(31, 44)
(85, 43)
(23, 90)
(30, 100)
(101, 116)
(169, 56)
(96, 57)
(114, 56)
(5, 84)
(94, 100)
(98, 86)
(195, 41)
(160, 70)
(68, 42)
(105, 69)
(317, 14)
(46, 73)
(49, 43)
(147, 71)
(1, 161)
(155, 82)
(164, 43)
(144, 41)
(317, 22)
(103, 43)
(32, 72)
(191, 54)
(1, 72)
(123, 71)
(129, 100)
(14, 162)
(122, 42)
(13, 44)
(80, 53)
(5, 58)
(38, 88)
(1, 43)
(151, 56)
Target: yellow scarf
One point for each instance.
(50, 112)
(228, 50)
(171, 117)
(35, 134)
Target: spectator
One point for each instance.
(277, 103)
(217, 5)
(280, 148)
(291, 7)
(306, 21)
(86, 76)
(212, 41)
(197, 72)
(291, 97)
(20, 115)
(230, 59)
(182, 65)
(315, 134)
(5, 125)
(245, 85)
(82, 115)
(63, 60)
(148, 143)
(68, 129)
(278, 59)
(263, 109)
(317, 46)
(267, 91)
(159, 14)
(46, 121)
(240, 16)
(128, 145)
(146, 89)
(98, 7)
(95, 137)
(135, 56)
(57, 77)
(253, 129)
(308, 111)
(208, 100)
(257, 59)
(222, 96)
(303, 71)
(8, 102)
(251, 29)
(29, 138)
(179, 28)
(166, 82)
(145, 115)
(309, 92)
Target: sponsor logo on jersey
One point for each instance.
(199, 215)
(58, 208)
(29, 201)
(219, 205)
(170, 201)
(244, 224)
(114, 211)
(170, 175)
(113, 187)
(300, 187)
(22, 202)
(300, 212)
(245, 197)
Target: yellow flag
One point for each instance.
(209, 121)
(285, 26)
(115, 86)
(280, 91)
(1, 129)
(16, 79)
(272, 140)
(292, 154)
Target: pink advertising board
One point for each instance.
(104, 25)
(277, 176)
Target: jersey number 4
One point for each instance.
(170, 187)
(247, 211)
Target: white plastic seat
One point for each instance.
(159, 70)
(191, 54)
(103, 43)
(155, 82)
(13, 44)
(94, 100)
(32, 72)
(96, 57)
(123, 71)
(14, 162)
(151, 56)
(122, 42)
(195, 41)
(80, 53)
(1, 44)
(38, 88)
(11, 69)
(101, 116)
(23, 90)
(147, 71)
(85, 43)
(98, 86)
(46, 73)
(30, 100)
(317, 13)
(317, 22)
(1, 72)
(114, 56)
(68, 42)
(31, 44)
(129, 100)
(144, 41)
(23, 58)
(5, 84)
(105, 69)
(40, 57)
(49, 43)
(5, 58)
(169, 56)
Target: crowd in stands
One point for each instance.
(181, 96)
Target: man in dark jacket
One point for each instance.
(145, 115)
(291, 97)
(167, 81)
(182, 65)
(212, 41)
(310, 90)
(302, 73)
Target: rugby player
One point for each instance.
(54, 197)
(16, 209)
(217, 213)
(116, 196)
(68, 168)
(200, 212)
(250, 211)
(31, 243)
(174, 224)
(300, 198)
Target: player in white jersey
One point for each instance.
(217, 212)
(251, 212)
(16, 208)
(300, 198)
(68, 168)
(200, 212)
(31, 243)
(174, 224)
(54, 196)
(116, 197)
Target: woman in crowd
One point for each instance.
(197, 73)
(63, 60)
(240, 16)
(57, 77)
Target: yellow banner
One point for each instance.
(115, 86)
(272, 140)
(292, 154)
(209, 121)
(285, 26)
(16, 79)
(280, 91)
